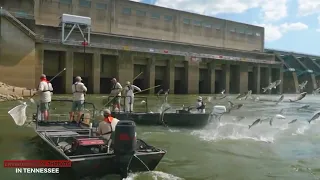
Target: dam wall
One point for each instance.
(18, 54)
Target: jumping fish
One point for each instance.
(234, 106)
(162, 116)
(248, 95)
(277, 116)
(263, 120)
(280, 99)
(300, 96)
(303, 85)
(314, 117)
(159, 92)
(241, 96)
(272, 85)
(278, 82)
(254, 123)
(166, 93)
(293, 121)
(304, 107)
(316, 91)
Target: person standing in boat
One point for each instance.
(78, 90)
(128, 90)
(116, 92)
(45, 91)
(107, 127)
(200, 105)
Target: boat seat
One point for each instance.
(62, 133)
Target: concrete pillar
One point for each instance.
(212, 76)
(151, 74)
(192, 77)
(296, 82)
(268, 77)
(69, 72)
(256, 77)
(170, 75)
(226, 77)
(243, 73)
(280, 91)
(314, 81)
(125, 67)
(39, 64)
(96, 68)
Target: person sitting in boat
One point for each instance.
(200, 105)
(128, 89)
(107, 126)
(116, 92)
(45, 91)
(78, 90)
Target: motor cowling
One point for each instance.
(124, 141)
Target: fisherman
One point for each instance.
(116, 92)
(45, 91)
(128, 89)
(107, 127)
(78, 90)
(200, 106)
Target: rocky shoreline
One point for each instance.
(13, 93)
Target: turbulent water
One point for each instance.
(224, 150)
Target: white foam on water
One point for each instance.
(156, 175)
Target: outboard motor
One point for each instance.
(124, 145)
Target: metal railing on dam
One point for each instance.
(157, 51)
(191, 55)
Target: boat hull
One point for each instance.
(100, 164)
(169, 119)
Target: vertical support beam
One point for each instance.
(69, 71)
(192, 76)
(125, 67)
(170, 75)
(268, 76)
(296, 82)
(256, 77)
(151, 73)
(243, 86)
(314, 81)
(212, 76)
(96, 68)
(39, 63)
(280, 91)
(226, 77)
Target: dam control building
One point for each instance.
(102, 39)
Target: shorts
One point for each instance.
(116, 100)
(77, 106)
(45, 106)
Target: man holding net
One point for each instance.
(45, 92)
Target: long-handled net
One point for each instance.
(18, 114)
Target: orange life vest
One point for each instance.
(108, 119)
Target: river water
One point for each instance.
(221, 151)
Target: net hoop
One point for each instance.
(18, 114)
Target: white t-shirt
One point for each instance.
(116, 89)
(104, 127)
(78, 90)
(45, 91)
(129, 89)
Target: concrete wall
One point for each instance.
(142, 20)
(18, 57)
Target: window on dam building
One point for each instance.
(85, 3)
(141, 13)
(126, 11)
(101, 6)
(65, 1)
